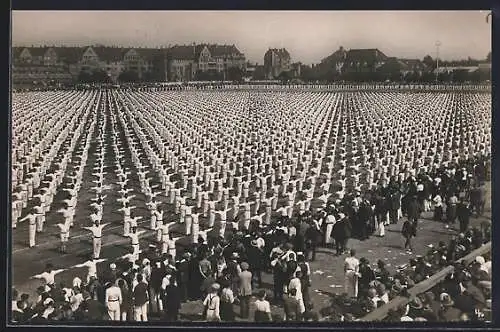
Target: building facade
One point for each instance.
(186, 62)
(178, 63)
(276, 61)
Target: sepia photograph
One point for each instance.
(250, 167)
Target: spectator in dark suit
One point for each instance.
(172, 305)
(292, 306)
(463, 215)
(140, 299)
(409, 231)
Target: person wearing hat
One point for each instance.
(341, 233)
(212, 304)
(244, 290)
(448, 312)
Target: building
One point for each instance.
(335, 61)
(178, 63)
(186, 62)
(296, 69)
(412, 66)
(276, 61)
(147, 63)
(41, 66)
(363, 60)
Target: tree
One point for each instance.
(285, 76)
(235, 74)
(84, 77)
(128, 77)
(429, 61)
(100, 76)
(152, 76)
(488, 57)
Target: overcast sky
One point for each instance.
(309, 36)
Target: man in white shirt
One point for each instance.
(92, 266)
(113, 302)
(48, 276)
(31, 228)
(64, 234)
(96, 230)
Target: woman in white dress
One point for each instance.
(296, 284)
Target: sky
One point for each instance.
(309, 36)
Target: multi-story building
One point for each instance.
(185, 61)
(276, 61)
(178, 63)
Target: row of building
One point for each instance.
(177, 63)
(188, 62)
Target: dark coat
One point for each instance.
(341, 230)
(413, 209)
(409, 229)
(463, 213)
(172, 298)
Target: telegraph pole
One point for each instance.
(438, 43)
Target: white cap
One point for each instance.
(145, 261)
(112, 266)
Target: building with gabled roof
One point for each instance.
(276, 61)
(185, 61)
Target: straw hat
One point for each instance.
(215, 287)
(245, 266)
